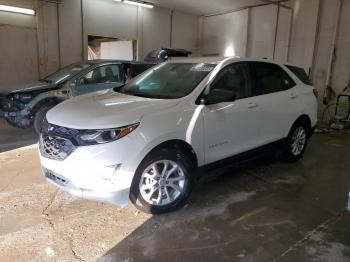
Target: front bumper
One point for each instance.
(119, 197)
(100, 172)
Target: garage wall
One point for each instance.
(155, 30)
(341, 74)
(48, 38)
(185, 30)
(59, 32)
(341, 65)
(304, 32)
(19, 55)
(152, 28)
(18, 45)
(225, 34)
(70, 32)
(110, 19)
(262, 32)
(250, 32)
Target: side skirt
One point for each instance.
(268, 149)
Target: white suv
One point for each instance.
(148, 141)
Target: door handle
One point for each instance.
(292, 95)
(252, 105)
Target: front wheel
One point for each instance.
(163, 182)
(296, 142)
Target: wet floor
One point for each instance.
(262, 210)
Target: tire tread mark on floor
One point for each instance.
(307, 236)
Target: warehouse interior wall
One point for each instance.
(121, 50)
(18, 45)
(225, 35)
(249, 32)
(152, 28)
(59, 33)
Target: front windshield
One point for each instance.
(66, 73)
(168, 81)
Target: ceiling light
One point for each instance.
(143, 4)
(19, 10)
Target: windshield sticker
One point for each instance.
(202, 68)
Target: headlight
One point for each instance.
(92, 137)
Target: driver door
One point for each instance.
(231, 128)
(100, 78)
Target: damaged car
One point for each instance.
(26, 105)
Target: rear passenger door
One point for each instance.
(100, 78)
(276, 99)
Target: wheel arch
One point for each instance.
(48, 101)
(177, 144)
(304, 118)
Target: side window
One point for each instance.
(235, 79)
(103, 74)
(270, 78)
(301, 74)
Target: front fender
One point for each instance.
(61, 94)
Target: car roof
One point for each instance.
(217, 60)
(101, 61)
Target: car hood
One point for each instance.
(107, 109)
(27, 87)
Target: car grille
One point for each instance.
(56, 148)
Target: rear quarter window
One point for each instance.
(300, 73)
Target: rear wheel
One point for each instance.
(296, 142)
(39, 117)
(163, 182)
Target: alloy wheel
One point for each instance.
(162, 182)
(298, 141)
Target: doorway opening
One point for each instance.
(111, 48)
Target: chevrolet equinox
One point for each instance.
(146, 141)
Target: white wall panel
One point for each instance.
(7, 18)
(185, 32)
(122, 50)
(110, 19)
(262, 24)
(48, 41)
(225, 34)
(18, 56)
(283, 34)
(304, 33)
(155, 30)
(70, 25)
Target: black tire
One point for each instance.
(39, 117)
(183, 161)
(287, 149)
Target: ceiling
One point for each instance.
(205, 7)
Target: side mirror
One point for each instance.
(219, 96)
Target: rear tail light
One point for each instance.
(315, 91)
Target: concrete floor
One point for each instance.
(263, 210)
